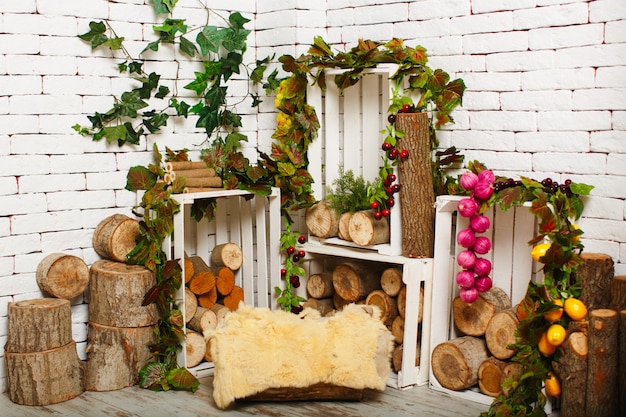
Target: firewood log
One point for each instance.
(398, 352)
(220, 311)
(178, 165)
(195, 347)
(622, 363)
(402, 303)
(618, 293)
(203, 321)
(572, 370)
(323, 305)
(388, 305)
(201, 182)
(490, 376)
(472, 318)
(189, 270)
(62, 276)
(354, 281)
(339, 302)
(455, 362)
(208, 299)
(596, 274)
(511, 373)
(198, 264)
(228, 255)
(233, 299)
(321, 220)
(365, 230)
(193, 173)
(397, 329)
(344, 224)
(500, 333)
(115, 236)
(320, 285)
(191, 304)
(224, 280)
(391, 281)
(202, 282)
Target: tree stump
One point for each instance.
(38, 325)
(602, 364)
(321, 220)
(365, 230)
(115, 237)
(116, 295)
(354, 281)
(344, 226)
(490, 376)
(115, 355)
(228, 255)
(62, 276)
(417, 196)
(472, 318)
(195, 347)
(42, 378)
(618, 293)
(500, 333)
(391, 281)
(320, 285)
(596, 274)
(572, 369)
(455, 362)
(387, 305)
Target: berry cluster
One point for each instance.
(393, 152)
(549, 185)
(390, 190)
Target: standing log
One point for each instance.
(455, 362)
(115, 355)
(472, 318)
(191, 304)
(387, 305)
(203, 321)
(511, 374)
(500, 333)
(321, 220)
(115, 237)
(195, 347)
(320, 285)
(622, 363)
(344, 224)
(596, 274)
(572, 369)
(323, 305)
(391, 281)
(490, 376)
(116, 293)
(365, 230)
(42, 378)
(38, 325)
(228, 255)
(602, 379)
(618, 293)
(354, 281)
(62, 276)
(208, 299)
(417, 198)
(233, 299)
(397, 329)
(202, 282)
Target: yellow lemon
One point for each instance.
(555, 334)
(545, 347)
(575, 309)
(555, 315)
(576, 238)
(553, 385)
(539, 250)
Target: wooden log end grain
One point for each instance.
(189, 270)
(320, 285)
(42, 378)
(490, 376)
(398, 354)
(321, 220)
(511, 374)
(386, 304)
(224, 280)
(191, 304)
(391, 281)
(455, 362)
(233, 299)
(208, 299)
(472, 318)
(115, 237)
(38, 325)
(397, 329)
(203, 321)
(344, 223)
(500, 333)
(195, 347)
(63, 276)
(202, 282)
(365, 230)
(353, 281)
(228, 255)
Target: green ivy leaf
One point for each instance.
(95, 35)
(140, 178)
(152, 46)
(131, 102)
(163, 91)
(188, 47)
(237, 20)
(155, 122)
(210, 39)
(112, 133)
(199, 84)
(135, 67)
(235, 40)
(164, 6)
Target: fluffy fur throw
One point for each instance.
(255, 349)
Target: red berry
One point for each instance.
(391, 118)
(301, 253)
(404, 154)
(386, 212)
(378, 215)
(296, 258)
(406, 108)
(389, 190)
(390, 202)
(374, 205)
(391, 177)
(396, 188)
(290, 250)
(386, 146)
(393, 153)
(283, 272)
(387, 183)
(302, 239)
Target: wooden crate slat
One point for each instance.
(331, 134)
(503, 240)
(315, 149)
(262, 282)
(524, 231)
(352, 130)
(245, 230)
(372, 139)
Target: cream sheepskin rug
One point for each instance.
(254, 349)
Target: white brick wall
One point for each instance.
(546, 96)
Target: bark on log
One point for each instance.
(220, 311)
(115, 355)
(115, 237)
(316, 392)
(323, 305)
(511, 373)
(602, 364)
(398, 352)
(199, 265)
(417, 198)
(190, 190)
(490, 376)
(202, 282)
(500, 333)
(195, 347)
(472, 318)
(339, 302)
(228, 255)
(233, 299)
(344, 224)
(178, 165)
(388, 306)
(42, 378)
(354, 281)
(572, 369)
(622, 363)
(62, 276)
(320, 285)
(402, 303)
(191, 304)
(210, 182)
(208, 299)
(618, 293)
(321, 220)
(397, 329)
(596, 274)
(116, 292)
(203, 321)
(38, 325)
(391, 281)
(189, 270)
(192, 173)
(365, 230)
(455, 362)
(207, 352)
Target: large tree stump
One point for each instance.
(320, 285)
(596, 274)
(365, 230)
(388, 305)
(455, 362)
(490, 376)
(115, 355)
(228, 255)
(321, 220)
(115, 237)
(602, 378)
(116, 295)
(500, 333)
(354, 281)
(391, 281)
(472, 318)
(618, 293)
(572, 370)
(42, 378)
(417, 196)
(62, 276)
(38, 325)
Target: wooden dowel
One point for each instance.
(183, 165)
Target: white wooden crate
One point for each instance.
(252, 222)
(513, 268)
(416, 273)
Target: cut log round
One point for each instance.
(195, 347)
(398, 352)
(320, 285)
(321, 220)
(387, 305)
(189, 270)
(228, 255)
(365, 230)
(455, 362)
(199, 265)
(208, 299)
(207, 350)
(402, 303)
(323, 305)
(38, 325)
(572, 369)
(472, 318)
(191, 304)
(116, 293)
(339, 302)
(203, 321)
(354, 281)
(42, 378)
(115, 355)
(490, 376)
(202, 282)
(397, 329)
(391, 281)
(62, 276)
(596, 275)
(224, 280)
(500, 333)
(510, 374)
(233, 299)
(115, 237)
(344, 224)
(220, 311)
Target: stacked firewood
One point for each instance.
(210, 293)
(197, 176)
(370, 284)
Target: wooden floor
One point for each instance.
(135, 401)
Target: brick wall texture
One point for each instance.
(546, 97)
